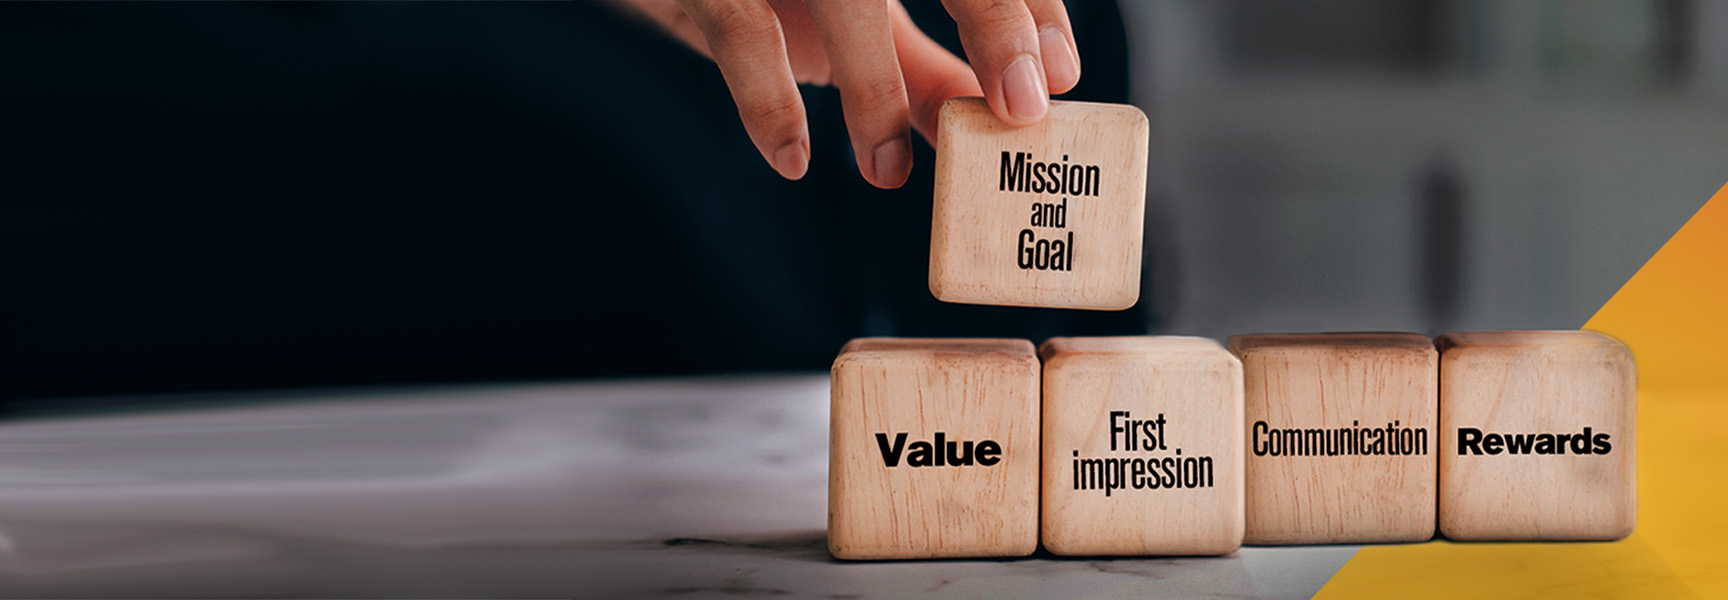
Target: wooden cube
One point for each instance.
(1537, 431)
(1341, 437)
(1142, 446)
(933, 449)
(1047, 215)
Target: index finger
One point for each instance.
(1001, 40)
(933, 74)
(746, 40)
(860, 45)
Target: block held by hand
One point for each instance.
(1047, 215)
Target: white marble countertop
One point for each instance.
(682, 487)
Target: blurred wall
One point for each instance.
(1428, 165)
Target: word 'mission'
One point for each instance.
(1049, 251)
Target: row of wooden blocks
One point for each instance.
(1177, 446)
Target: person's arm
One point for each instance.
(890, 75)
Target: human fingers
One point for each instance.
(671, 18)
(746, 41)
(803, 42)
(803, 46)
(932, 73)
(859, 41)
(1001, 40)
(1056, 47)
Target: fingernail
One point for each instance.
(1023, 89)
(792, 160)
(1060, 63)
(890, 161)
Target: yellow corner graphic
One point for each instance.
(1673, 314)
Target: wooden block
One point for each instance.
(1047, 215)
(1142, 446)
(1537, 432)
(933, 449)
(1341, 437)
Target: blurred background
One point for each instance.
(263, 195)
(1426, 166)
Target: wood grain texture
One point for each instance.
(977, 227)
(1196, 387)
(1535, 382)
(1325, 383)
(971, 390)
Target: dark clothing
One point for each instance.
(204, 196)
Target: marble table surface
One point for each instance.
(691, 487)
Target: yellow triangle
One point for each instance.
(1673, 314)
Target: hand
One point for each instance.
(889, 73)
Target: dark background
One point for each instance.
(211, 195)
(199, 196)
